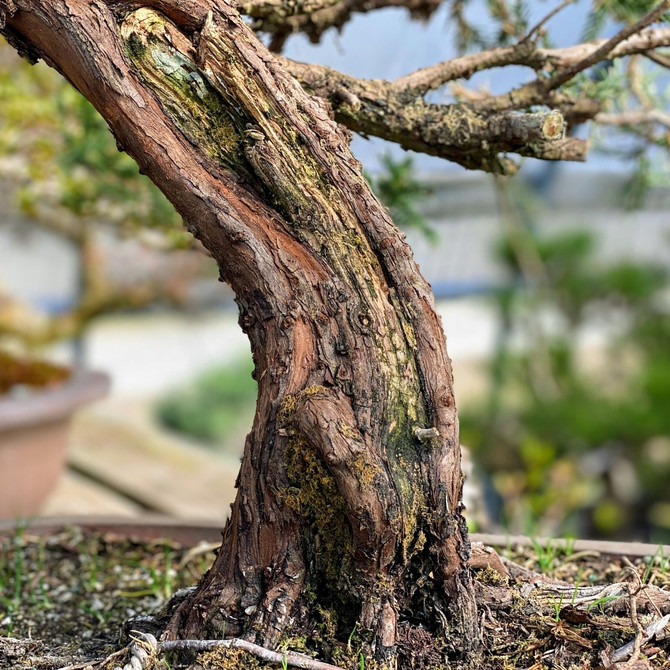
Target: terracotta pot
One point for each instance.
(33, 441)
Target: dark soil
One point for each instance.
(66, 599)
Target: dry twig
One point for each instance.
(648, 633)
(290, 658)
(637, 626)
(540, 24)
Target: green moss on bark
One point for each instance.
(314, 495)
(207, 119)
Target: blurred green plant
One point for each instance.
(57, 151)
(578, 444)
(66, 175)
(214, 405)
(398, 188)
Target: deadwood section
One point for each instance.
(340, 504)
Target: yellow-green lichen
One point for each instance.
(293, 400)
(201, 113)
(366, 471)
(313, 494)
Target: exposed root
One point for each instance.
(144, 649)
(643, 635)
(528, 620)
(612, 596)
(288, 658)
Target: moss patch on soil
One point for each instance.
(67, 598)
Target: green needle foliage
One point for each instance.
(399, 189)
(214, 405)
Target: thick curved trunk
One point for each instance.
(345, 495)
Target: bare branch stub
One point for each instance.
(476, 134)
(396, 111)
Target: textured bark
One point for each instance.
(338, 497)
(398, 113)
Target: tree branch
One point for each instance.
(545, 19)
(475, 134)
(604, 50)
(530, 55)
(313, 17)
(635, 118)
(641, 43)
(187, 14)
(455, 132)
(539, 91)
(659, 59)
(432, 77)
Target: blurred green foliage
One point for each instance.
(59, 156)
(578, 437)
(572, 445)
(214, 405)
(397, 186)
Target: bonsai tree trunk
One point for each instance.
(349, 494)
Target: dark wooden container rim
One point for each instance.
(54, 403)
(190, 533)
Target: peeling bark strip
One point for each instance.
(336, 495)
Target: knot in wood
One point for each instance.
(364, 319)
(445, 400)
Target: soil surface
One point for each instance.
(71, 599)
